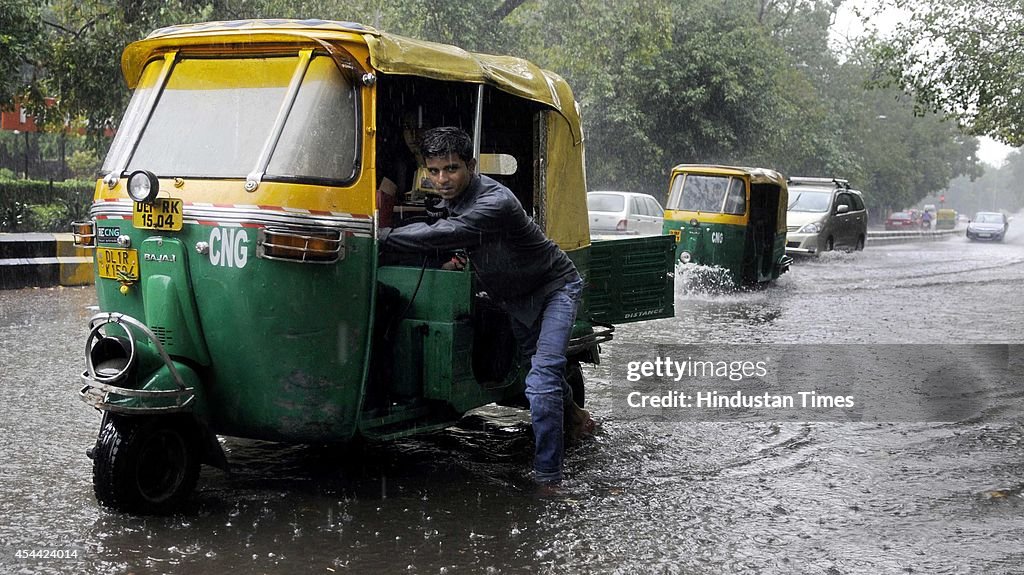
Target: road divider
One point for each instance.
(43, 260)
(876, 238)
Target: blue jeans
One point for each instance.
(545, 343)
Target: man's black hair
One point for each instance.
(447, 140)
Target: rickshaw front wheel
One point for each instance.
(145, 465)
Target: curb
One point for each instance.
(43, 260)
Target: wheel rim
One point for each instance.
(163, 461)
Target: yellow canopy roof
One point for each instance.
(757, 175)
(389, 54)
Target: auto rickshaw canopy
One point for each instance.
(374, 50)
(758, 177)
(388, 54)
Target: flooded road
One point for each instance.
(646, 496)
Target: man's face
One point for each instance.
(449, 174)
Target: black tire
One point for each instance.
(860, 243)
(574, 377)
(830, 244)
(145, 465)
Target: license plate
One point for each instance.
(160, 214)
(118, 264)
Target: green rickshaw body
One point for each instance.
(731, 218)
(945, 219)
(238, 269)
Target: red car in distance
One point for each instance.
(900, 221)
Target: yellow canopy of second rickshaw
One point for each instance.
(757, 176)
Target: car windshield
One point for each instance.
(986, 218)
(215, 116)
(900, 216)
(606, 202)
(809, 201)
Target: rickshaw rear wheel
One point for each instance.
(145, 465)
(574, 377)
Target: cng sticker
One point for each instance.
(717, 237)
(229, 247)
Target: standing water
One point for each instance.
(649, 494)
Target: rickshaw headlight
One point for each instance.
(811, 228)
(143, 186)
(685, 257)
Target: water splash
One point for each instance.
(698, 279)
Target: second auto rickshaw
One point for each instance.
(732, 218)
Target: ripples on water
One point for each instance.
(644, 496)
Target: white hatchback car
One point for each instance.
(624, 213)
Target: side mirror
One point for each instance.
(842, 209)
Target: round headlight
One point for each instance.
(143, 186)
(684, 257)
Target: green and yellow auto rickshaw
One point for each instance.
(236, 254)
(945, 219)
(731, 218)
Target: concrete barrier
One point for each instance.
(876, 238)
(43, 260)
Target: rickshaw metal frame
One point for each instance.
(103, 385)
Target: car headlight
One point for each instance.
(811, 228)
(143, 186)
(685, 257)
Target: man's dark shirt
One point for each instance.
(514, 261)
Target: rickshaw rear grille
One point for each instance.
(166, 336)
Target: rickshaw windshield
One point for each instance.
(215, 115)
(702, 193)
(807, 201)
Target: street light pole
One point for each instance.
(26, 154)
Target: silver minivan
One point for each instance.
(824, 214)
(624, 213)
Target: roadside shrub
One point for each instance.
(84, 163)
(12, 216)
(48, 218)
(34, 206)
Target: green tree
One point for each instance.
(964, 58)
(19, 32)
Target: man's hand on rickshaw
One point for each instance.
(457, 262)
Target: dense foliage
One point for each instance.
(660, 82)
(961, 57)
